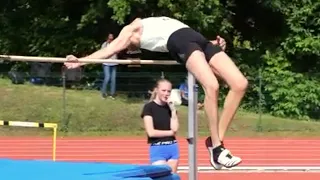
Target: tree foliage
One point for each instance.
(278, 38)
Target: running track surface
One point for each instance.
(254, 152)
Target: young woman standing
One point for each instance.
(161, 125)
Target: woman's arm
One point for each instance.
(174, 121)
(148, 124)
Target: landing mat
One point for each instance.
(48, 170)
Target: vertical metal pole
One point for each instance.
(64, 126)
(192, 127)
(259, 125)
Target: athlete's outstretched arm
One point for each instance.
(117, 45)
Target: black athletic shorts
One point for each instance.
(183, 42)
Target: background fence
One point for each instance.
(72, 98)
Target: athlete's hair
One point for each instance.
(154, 92)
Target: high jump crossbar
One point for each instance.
(52, 126)
(192, 101)
(82, 60)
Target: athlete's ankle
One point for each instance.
(209, 143)
(216, 145)
(222, 144)
(216, 151)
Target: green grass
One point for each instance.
(89, 115)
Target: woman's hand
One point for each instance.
(174, 118)
(171, 106)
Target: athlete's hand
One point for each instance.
(221, 42)
(72, 62)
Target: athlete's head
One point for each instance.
(133, 47)
(162, 91)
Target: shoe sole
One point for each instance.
(234, 165)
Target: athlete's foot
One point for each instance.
(224, 157)
(221, 157)
(215, 164)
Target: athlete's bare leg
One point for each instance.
(198, 66)
(224, 67)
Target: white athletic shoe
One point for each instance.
(227, 160)
(224, 159)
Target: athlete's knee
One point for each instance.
(211, 88)
(241, 85)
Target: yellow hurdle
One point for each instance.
(53, 126)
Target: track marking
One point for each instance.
(260, 152)
(258, 168)
(249, 172)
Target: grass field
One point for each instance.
(87, 114)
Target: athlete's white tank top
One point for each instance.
(156, 32)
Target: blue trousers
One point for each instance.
(164, 152)
(109, 75)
